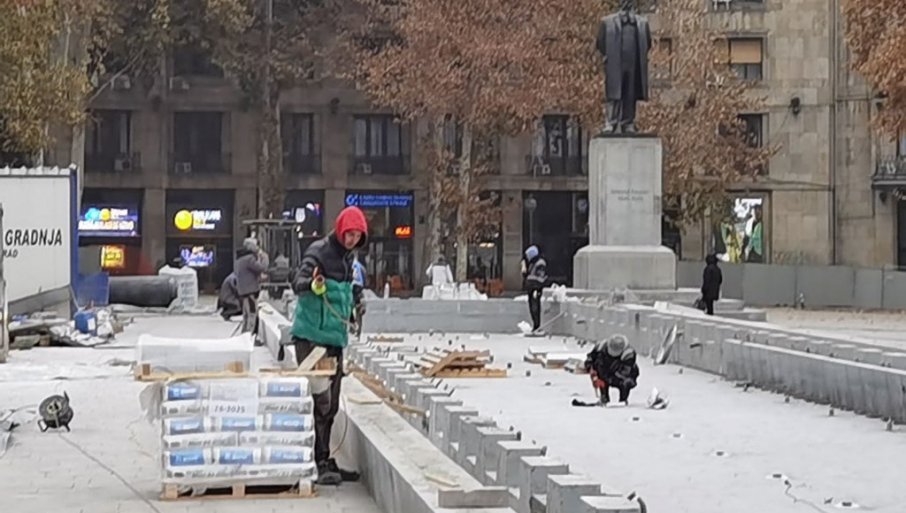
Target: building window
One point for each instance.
(198, 143)
(745, 56)
(754, 129)
(299, 155)
(108, 142)
(189, 60)
(378, 145)
(558, 148)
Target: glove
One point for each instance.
(360, 311)
(318, 286)
(596, 381)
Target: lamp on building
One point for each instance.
(530, 205)
(795, 105)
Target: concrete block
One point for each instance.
(565, 492)
(800, 343)
(384, 370)
(480, 498)
(438, 420)
(894, 360)
(509, 454)
(470, 440)
(396, 380)
(607, 505)
(843, 351)
(489, 451)
(869, 355)
(421, 397)
(533, 474)
(408, 387)
(820, 347)
(444, 421)
(459, 426)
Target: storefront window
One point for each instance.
(199, 227)
(388, 257)
(110, 222)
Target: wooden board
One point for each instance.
(240, 491)
(233, 370)
(471, 373)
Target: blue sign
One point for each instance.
(108, 221)
(379, 200)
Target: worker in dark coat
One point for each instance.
(712, 279)
(534, 273)
(612, 363)
(251, 264)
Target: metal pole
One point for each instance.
(4, 306)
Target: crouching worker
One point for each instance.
(612, 363)
(324, 285)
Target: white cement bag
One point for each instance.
(287, 455)
(247, 423)
(263, 438)
(200, 440)
(183, 391)
(186, 287)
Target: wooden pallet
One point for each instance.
(304, 490)
(446, 363)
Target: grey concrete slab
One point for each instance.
(565, 492)
(608, 505)
(509, 457)
(533, 474)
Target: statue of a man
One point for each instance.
(624, 39)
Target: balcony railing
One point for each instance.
(890, 171)
(557, 166)
(302, 164)
(113, 162)
(396, 165)
(204, 163)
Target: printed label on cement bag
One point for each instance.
(181, 408)
(184, 425)
(182, 391)
(285, 387)
(200, 440)
(237, 455)
(288, 422)
(251, 423)
(232, 397)
(262, 438)
(188, 457)
(297, 405)
(287, 455)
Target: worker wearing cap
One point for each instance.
(326, 299)
(612, 363)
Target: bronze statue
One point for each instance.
(624, 39)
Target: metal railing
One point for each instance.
(891, 168)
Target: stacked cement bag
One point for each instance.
(219, 432)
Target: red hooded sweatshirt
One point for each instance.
(352, 218)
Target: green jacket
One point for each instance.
(322, 319)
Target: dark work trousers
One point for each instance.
(327, 404)
(534, 306)
(709, 306)
(249, 312)
(624, 393)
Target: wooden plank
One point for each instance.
(240, 491)
(472, 373)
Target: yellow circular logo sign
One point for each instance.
(105, 214)
(183, 220)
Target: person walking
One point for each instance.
(440, 275)
(251, 264)
(712, 278)
(326, 299)
(534, 273)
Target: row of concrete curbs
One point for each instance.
(533, 481)
(863, 378)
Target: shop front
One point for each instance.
(110, 234)
(199, 226)
(739, 235)
(557, 222)
(389, 256)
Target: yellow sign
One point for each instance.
(113, 257)
(186, 220)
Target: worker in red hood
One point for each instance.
(324, 286)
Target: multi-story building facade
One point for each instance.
(180, 161)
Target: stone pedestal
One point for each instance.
(624, 192)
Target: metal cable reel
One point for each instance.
(55, 412)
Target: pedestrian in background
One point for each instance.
(712, 279)
(251, 264)
(534, 273)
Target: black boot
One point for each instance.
(328, 477)
(347, 476)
